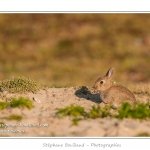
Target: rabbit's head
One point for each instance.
(105, 82)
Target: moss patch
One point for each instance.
(14, 117)
(98, 112)
(2, 125)
(144, 134)
(21, 103)
(71, 110)
(140, 111)
(3, 105)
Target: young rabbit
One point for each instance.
(113, 94)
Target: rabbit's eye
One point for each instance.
(101, 82)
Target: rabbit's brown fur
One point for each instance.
(113, 94)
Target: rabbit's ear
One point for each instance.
(110, 73)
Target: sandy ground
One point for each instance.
(41, 120)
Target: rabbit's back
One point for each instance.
(117, 94)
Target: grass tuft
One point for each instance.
(19, 85)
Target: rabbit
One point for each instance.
(113, 94)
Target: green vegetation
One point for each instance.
(4, 105)
(2, 125)
(140, 111)
(144, 134)
(21, 103)
(17, 102)
(42, 45)
(14, 117)
(98, 112)
(71, 110)
(78, 111)
(19, 85)
(76, 120)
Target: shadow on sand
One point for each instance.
(85, 93)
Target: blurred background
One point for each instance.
(75, 49)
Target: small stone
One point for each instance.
(37, 100)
